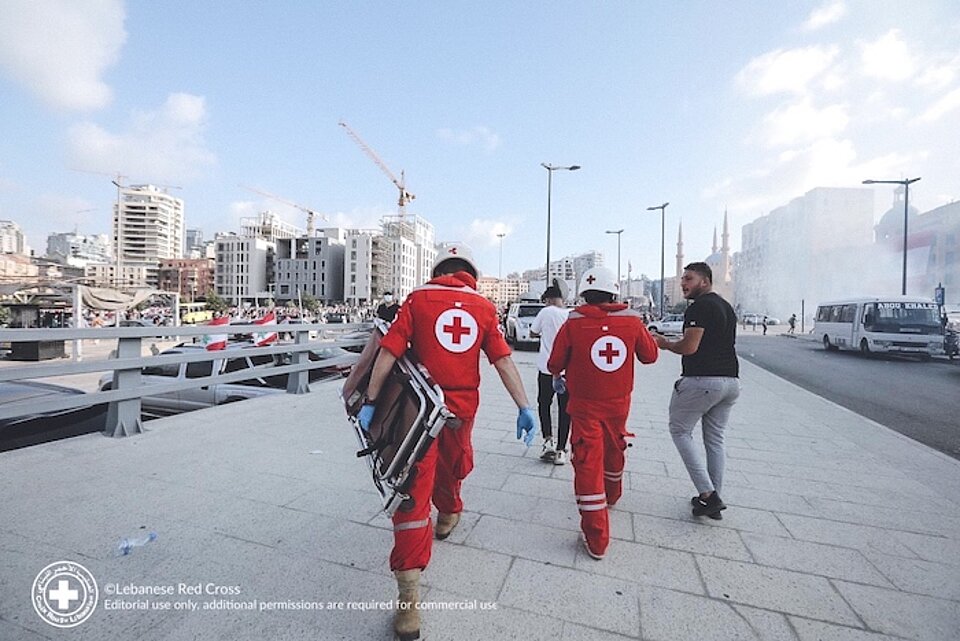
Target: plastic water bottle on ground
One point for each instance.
(125, 545)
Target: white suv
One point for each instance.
(519, 319)
(669, 324)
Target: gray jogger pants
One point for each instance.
(708, 399)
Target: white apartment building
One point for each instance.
(105, 275)
(366, 266)
(244, 268)
(310, 266)
(502, 291)
(268, 226)
(12, 240)
(79, 250)
(412, 250)
(147, 228)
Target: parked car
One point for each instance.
(519, 319)
(39, 426)
(227, 361)
(669, 324)
(757, 319)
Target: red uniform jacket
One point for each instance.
(596, 347)
(446, 323)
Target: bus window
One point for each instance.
(823, 314)
(847, 313)
(835, 312)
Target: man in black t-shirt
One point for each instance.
(709, 384)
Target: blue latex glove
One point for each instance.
(365, 417)
(526, 426)
(560, 385)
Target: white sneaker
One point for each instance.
(548, 453)
(560, 458)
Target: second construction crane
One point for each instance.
(311, 214)
(405, 196)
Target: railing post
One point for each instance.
(299, 382)
(123, 417)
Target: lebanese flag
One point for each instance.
(214, 342)
(265, 338)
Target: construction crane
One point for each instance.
(405, 196)
(311, 214)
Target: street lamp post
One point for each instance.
(617, 232)
(662, 209)
(550, 169)
(500, 272)
(906, 182)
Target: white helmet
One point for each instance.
(455, 250)
(599, 279)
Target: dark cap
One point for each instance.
(551, 292)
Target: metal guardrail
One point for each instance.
(123, 417)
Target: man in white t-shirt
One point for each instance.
(547, 324)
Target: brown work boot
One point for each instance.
(406, 623)
(445, 524)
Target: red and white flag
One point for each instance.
(265, 338)
(214, 342)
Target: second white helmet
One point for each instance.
(455, 250)
(599, 279)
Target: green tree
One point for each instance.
(310, 302)
(215, 303)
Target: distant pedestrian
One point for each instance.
(388, 308)
(764, 325)
(708, 387)
(596, 348)
(793, 324)
(546, 325)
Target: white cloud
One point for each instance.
(59, 49)
(938, 75)
(888, 57)
(786, 70)
(940, 108)
(164, 145)
(478, 135)
(482, 233)
(825, 14)
(802, 122)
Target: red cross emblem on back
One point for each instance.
(456, 330)
(609, 353)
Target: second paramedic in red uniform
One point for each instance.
(596, 347)
(445, 324)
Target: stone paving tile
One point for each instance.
(577, 597)
(488, 570)
(773, 589)
(931, 548)
(819, 631)
(689, 536)
(919, 577)
(838, 492)
(860, 537)
(813, 558)
(907, 615)
(935, 523)
(666, 615)
(574, 632)
(647, 565)
(474, 623)
(516, 538)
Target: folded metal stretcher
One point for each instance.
(408, 417)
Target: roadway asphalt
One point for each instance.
(918, 399)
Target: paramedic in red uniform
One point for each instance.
(596, 347)
(445, 324)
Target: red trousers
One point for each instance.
(439, 475)
(597, 456)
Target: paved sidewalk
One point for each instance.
(837, 528)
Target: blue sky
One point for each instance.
(707, 105)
